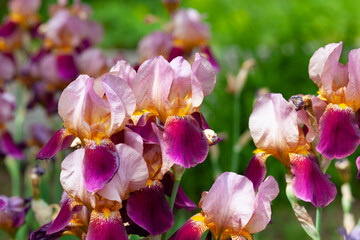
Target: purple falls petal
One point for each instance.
(185, 143)
(8, 147)
(358, 166)
(41, 234)
(339, 132)
(106, 227)
(210, 57)
(256, 169)
(181, 200)
(64, 217)
(101, 162)
(191, 230)
(149, 209)
(59, 141)
(7, 28)
(66, 67)
(309, 183)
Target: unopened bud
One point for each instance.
(343, 167)
(171, 5)
(35, 178)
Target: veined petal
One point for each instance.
(181, 85)
(72, 180)
(256, 169)
(184, 141)
(268, 191)
(353, 87)
(234, 208)
(131, 176)
(121, 101)
(210, 57)
(309, 183)
(101, 162)
(193, 229)
(323, 65)
(125, 71)
(152, 85)
(273, 126)
(149, 209)
(61, 140)
(106, 225)
(339, 132)
(66, 67)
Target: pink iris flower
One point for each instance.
(237, 214)
(276, 130)
(339, 87)
(93, 110)
(173, 92)
(103, 207)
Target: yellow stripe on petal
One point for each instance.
(343, 106)
(198, 217)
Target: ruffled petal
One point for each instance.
(185, 143)
(121, 101)
(192, 229)
(149, 209)
(353, 87)
(131, 176)
(339, 132)
(273, 126)
(125, 71)
(234, 208)
(152, 85)
(72, 180)
(309, 183)
(256, 169)
(101, 162)
(106, 225)
(268, 191)
(323, 65)
(59, 141)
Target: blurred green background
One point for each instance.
(281, 36)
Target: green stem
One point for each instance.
(13, 167)
(318, 220)
(236, 129)
(172, 199)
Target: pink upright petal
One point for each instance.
(185, 143)
(131, 176)
(59, 141)
(149, 209)
(256, 169)
(323, 65)
(92, 61)
(152, 85)
(101, 162)
(353, 87)
(268, 191)
(155, 44)
(273, 126)
(234, 208)
(309, 183)
(121, 101)
(191, 229)
(125, 71)
(181, 85)
(106, 227)
(339, 132)
(7, 68)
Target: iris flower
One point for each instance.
(238, 213)
(276, 130)
(339, 87)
